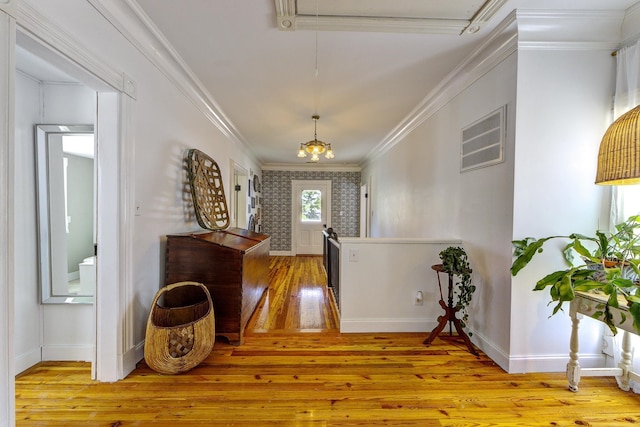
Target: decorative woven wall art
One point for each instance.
(207, 191)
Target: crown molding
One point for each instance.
(631, 25)
(308, 167)
(136, 26)
(374, 24)
(8, 7)
(287, 19)
(500, 44)
(48, 34)
(543, 30)
(567, 46)
(570, 26)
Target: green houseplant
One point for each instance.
(605, 262)
(455, 262)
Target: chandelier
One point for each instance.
(315, 147)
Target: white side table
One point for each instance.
(588, 303)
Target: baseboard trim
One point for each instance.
(280, 253)
(552, 363)
(27, 360)
(500, 357)
(67, 353)
(386, 325)
(131, 358)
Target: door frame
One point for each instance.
(116, 94)
(7, 144)
(295, 207)
(238, 206)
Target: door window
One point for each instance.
(311, 206)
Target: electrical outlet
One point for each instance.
(419, 298)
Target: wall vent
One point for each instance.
(483, 141)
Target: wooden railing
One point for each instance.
(331, 261)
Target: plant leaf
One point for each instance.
(550, 279)
(526, 255)
(635, 313)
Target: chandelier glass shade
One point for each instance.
(315, 147)
(619, 155)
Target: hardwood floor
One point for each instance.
(296, 369)
(297, 299)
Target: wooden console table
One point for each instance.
(588, 303)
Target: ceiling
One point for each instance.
(361, 65)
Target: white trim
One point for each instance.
(297, 185)
(471, 69)
(114, 312)
(570, 25)
(114, 317)
(238, 210)
(307, 167)
(281, 253)
(630, 25)
(289, 20)
(494, 353)
(134, 24)
(405, 240)
(8, 7)
(567, 46)
(374, 325)
(7, 141)
(127, 203)
(70, 353)
(56, 39)
(26, 360)
(552, 362)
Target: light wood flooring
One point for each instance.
(296, 369)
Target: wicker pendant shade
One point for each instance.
(619, 156)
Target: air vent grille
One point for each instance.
(483, 141)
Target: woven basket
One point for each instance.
(179, 338)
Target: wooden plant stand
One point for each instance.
(449, 315)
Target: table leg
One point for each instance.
(442, 322)
(573, 367)
(625, 362)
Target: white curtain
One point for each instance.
(626, 198)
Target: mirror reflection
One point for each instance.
(66, 212)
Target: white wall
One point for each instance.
(558, 98)
(418, 190)
(564, 100)
(379, 280)
(28, 313)
(47, 332)
(164, 124)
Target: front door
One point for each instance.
(311, 212)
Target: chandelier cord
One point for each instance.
(317, 71)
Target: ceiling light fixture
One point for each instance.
(315, 147)
(619, 155)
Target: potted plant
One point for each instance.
(609, 264)
(455, 262)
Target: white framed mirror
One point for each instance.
(65, 169)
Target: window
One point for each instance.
(311, 205)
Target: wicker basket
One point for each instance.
(179, 338)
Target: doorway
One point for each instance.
(311, 213)
(41, 69)
(239, 189)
